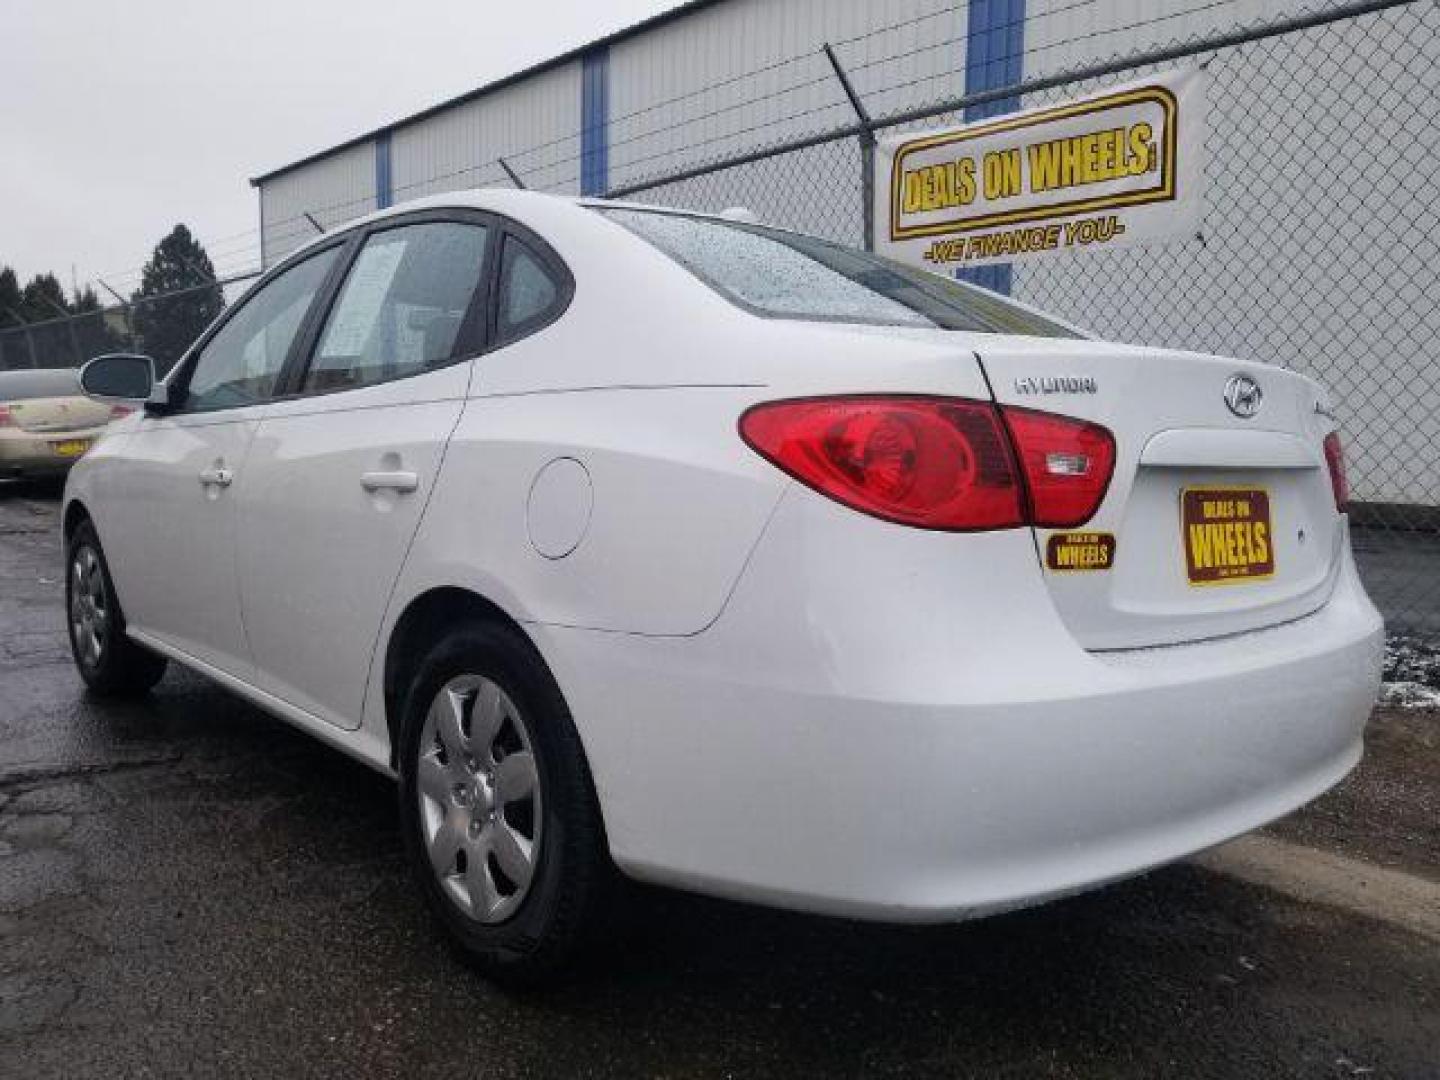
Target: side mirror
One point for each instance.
(122, 377)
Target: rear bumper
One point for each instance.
(24, 453)
(901, 756)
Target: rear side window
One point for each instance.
(402, 306)
(530, 292)
(788, 275)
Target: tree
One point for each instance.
(84, 300)
(49, 337)
(9, 296)
(14, 345)
(34, 329)
(43, 298)
(177, 297)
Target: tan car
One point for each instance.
(45, 422)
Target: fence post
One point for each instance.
(866, 137)
(514, 177)
(24, 324)
(70, 327)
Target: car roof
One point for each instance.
(508, 201)
(39, 382)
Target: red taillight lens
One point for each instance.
(939, 463)
(119, 412)
(7, 419)
(936, 463)
(1335, 459)
(1067, 465)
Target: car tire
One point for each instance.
(108, 661)
(465, 817)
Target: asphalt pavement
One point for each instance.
(189, 888)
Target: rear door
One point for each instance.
(167, 511)
(1220, 516)
(340, 470)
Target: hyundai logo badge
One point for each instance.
(1243, 396)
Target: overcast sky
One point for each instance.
(119, 119)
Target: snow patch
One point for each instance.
(1411, 673)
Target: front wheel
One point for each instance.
(501, 822)
(108, 661)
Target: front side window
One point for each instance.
(402, 305)
(241, 363)
(788, 275)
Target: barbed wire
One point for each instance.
(245, 254)
(290, 228)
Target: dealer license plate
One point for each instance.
(71, 447)
(1227, 534)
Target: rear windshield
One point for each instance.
(52, 382)
(787, 275)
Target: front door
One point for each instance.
(168, 525)
(168, 519)
(339, 472)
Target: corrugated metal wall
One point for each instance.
(748, 72)
(718, 80)
(334, 189)
(534, 125)
(1062, 34)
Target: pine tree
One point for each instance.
(83, 300)
(14, 345)
(177, 298)
(43, 299)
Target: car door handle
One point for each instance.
(218, 475)
(389, 481)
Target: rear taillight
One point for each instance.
(7, 418)
(119, 412)
(1335, 459)
(1067, 464)
(936, 463)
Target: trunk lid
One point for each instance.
(59, 415)
(1221, 522)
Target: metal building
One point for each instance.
(706, 79)
(1319, 244)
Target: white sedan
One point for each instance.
(731, 558)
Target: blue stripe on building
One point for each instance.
(384, 190)
(994, 58)
(594, 122)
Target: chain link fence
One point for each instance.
(1318, 249)
(70, 342)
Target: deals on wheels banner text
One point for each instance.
(1121, 166)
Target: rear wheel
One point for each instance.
(108, 661)
(501, 822)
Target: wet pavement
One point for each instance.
(189, 888)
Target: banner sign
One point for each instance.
(1118, 167)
